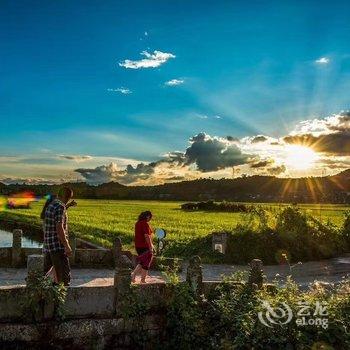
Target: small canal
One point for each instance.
(27, 242)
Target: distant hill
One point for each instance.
(328, 189)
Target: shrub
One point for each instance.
(186, 327)
(346, 227)
(40, 293)
(229, 318)
(218, 206)
(291, 232)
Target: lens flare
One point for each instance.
(21, 200)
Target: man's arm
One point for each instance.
(63, 238)
(72, 203)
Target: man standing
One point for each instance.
(56, 246)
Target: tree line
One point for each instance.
(329, 189)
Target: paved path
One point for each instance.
(332, 270)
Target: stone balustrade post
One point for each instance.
(35, 268)
(16, 247)
(117, 250)
(256, 274)
(122, 285)
(194, 275)
(122, 274)
(122, 279)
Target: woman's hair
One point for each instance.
(144, 215)
(50, 199)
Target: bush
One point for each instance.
(40, 293)
(229, 318)
(346, 227)
(266, 235)
(218, 206)
(198, 246)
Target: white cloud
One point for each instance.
(31, 181)
(323, 60)
(174, 82)
(328, 125)
(122, 90)
(206, 116)
(152, 60)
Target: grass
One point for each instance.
(188, 233)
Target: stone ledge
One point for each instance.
(19, 333)
(9, 303)
(75, 330)
(82, 302)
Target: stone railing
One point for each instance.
(84, 255)
(94, 315)
(91, 313)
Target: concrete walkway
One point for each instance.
(332, 271)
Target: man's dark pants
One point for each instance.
(60, 261)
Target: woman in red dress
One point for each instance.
(143, 246)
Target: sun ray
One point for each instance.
(335, 180)
(286, 188)
(311, 189)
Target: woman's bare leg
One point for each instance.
(136, 271)
(144, 274)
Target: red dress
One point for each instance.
(145, 256)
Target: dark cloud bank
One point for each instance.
(334, 140)
(205, 153)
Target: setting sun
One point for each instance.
(300, 157)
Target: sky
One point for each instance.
(146, 92)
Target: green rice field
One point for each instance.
(100, 221)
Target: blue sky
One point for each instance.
(242, 69)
